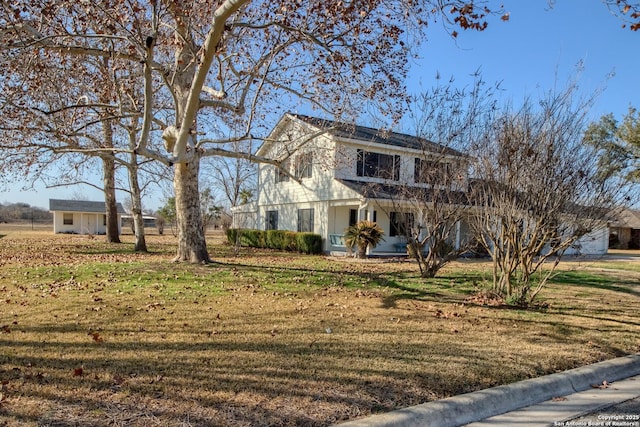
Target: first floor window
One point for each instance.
(67, 219)
(400, 223)
(305, 220)
(271, 220)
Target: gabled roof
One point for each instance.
(363, 133)
(81, 206)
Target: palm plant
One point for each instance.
(362, 235)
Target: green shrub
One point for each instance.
(309, 243)
(283, 240)
(291, 241)
(275, 239)
(256, 238)
(232, 235)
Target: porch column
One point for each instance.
(363, 214)
(457, 235)
(363, 210)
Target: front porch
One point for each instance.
(343, 214)
(394, 221)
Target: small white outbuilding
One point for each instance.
(81, 216)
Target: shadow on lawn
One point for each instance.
(587, 280)
(222, 372)
(224, 378)
(451, 289)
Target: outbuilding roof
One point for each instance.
(81, 206)
(626, 218)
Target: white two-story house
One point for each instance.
(335, 174)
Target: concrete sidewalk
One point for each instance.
(574, 409)
(482, 407)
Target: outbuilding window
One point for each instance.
(67, 218)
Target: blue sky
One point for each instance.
(537, 49)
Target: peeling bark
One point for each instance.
(192, 246)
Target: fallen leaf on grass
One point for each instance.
(96, 336)
(78, 372)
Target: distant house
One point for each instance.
(81, 217)
(148, 220)
(624, 230)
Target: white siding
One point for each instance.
(594, 243)
(83, 223)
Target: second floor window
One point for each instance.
(304, 165)
(281, 175)
(377, 165)
(431, 172)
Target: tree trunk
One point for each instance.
(109, 183)
(136, 205)
(362, 251)
(192, 246)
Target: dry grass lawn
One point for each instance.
(92, 334)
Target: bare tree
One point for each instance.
(77, 106)
(235, 177)
(536, 192)
(435, 198)
(50, 129)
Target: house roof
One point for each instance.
(379, 136)
(81, 206)
(403, 192)
(626, 218)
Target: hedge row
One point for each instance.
(283, 240)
